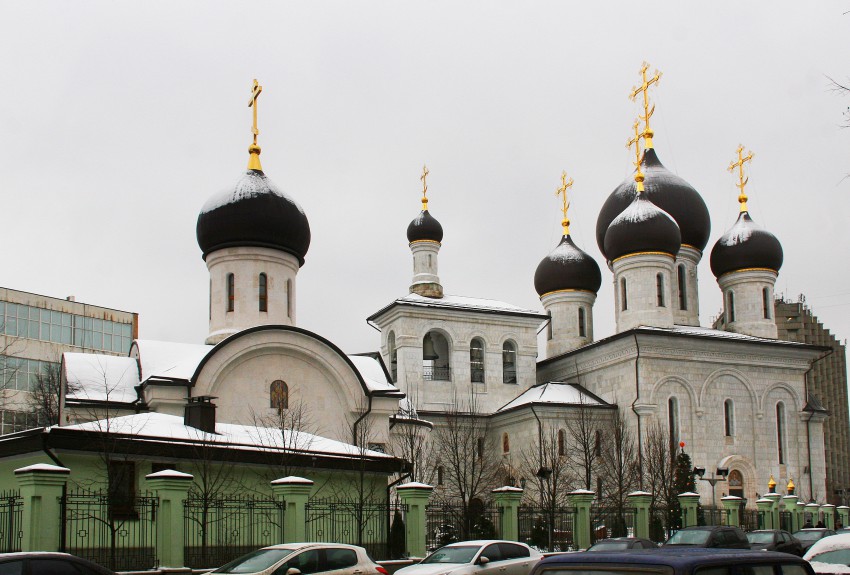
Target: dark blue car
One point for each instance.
(673, 561)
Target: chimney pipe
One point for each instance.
(200, 413)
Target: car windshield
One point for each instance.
(255, 561)
(460, 554)
(836, 556)
(689, 537)
(763, 537)
(610, 546)
(813, 535)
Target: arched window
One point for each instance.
(393, 354)
(479, 447)
(683, 293)
(440, 475)
(231, 291)
(624, 295)
(597, 444)
(673, 422)
(562, 442)
(780, 431)
(279, 395)
(263, 292)
(506, 443)
(766, 303)
(549, 330)
(435, 357)
(659, 289)
(582, 323)
(508, 362)
(476, 360)
(729, 417)
(730, 307)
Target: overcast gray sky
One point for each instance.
(119, 119)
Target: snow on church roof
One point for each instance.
(169, 360)
(372, 372)
(710, 332)
(160, 426)
(101, 377)
(458, 302)
(555, 392)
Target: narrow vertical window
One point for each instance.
(582, 325)
(729, 418)
(549, 329)
(562, 442)
(506, 443)
(683, 294)
(289, 298)
(480, 447)
(765, 302)
(624, 296)
(440, 475)
(673, 422)
(231, 292)
(780, 431)
(263, 293)
(508, 362)
(597, 443)
(730, 307)
(279, 395)
(659, 290)
(476, 360)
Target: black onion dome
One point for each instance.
(254, 212)
(667, 191)
(567, 268)
(746, 245)
(424, 227)
(642, 227)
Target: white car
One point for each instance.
(830, 554)
(487, 557)
(305, 559)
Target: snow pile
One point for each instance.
(101, 377)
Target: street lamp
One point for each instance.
(716, 477)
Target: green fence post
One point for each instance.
(765, 507)
(689, 502)
(732, 505)
(774, 508)
(641, 500)
(171, 488)
(581, 499)
(415, 496)
(791, 505)
(843, 514)
(812, 509)
(294, 492)
(828, 511)
(41, 488)
(508, 499)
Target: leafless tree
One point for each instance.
(585, 434)
(659, 477)
(412, 441)
(618, 467)
(44, 397)
(284, 432)
(842, 89)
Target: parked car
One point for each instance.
(722, 536)
(830, 554)
(775, 540)
(809, 535)
(44, 563)
(674, 561)
(304, 559)
(487, 557)
(622, 544)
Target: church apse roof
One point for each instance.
(460, 303)
(555, 393)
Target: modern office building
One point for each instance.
(34, 332)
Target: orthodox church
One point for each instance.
(737, 397)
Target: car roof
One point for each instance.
(299, 546)
(480, 542)
(681, 558)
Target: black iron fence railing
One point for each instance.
(547, 528)
(220, 529)
(430, 373)
(118, 532)
(365, 524)
(663, 523)
(712, 516)
(11, 508)
(608, 522)
(785, 520)
(751, 519)
(450, 522)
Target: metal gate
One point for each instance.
(11, 509)
(545, 528)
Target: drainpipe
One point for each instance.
(357, 423)
(637, 397)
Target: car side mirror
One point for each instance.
(293, 571)
(483, 560)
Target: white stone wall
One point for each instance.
(564, 328)
(425, 270)
(749, 301)
(246, 264)
(689, 258)
(640, 271)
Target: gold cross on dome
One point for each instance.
(742, 181)
(562, 191)
(255, 93)
(647, 111)
(424, 179)
(636, 143)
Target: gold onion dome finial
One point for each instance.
(647, 110)
(424, 178)
(636, 143)
(562, 191)
(771, 485)
(790, 487)
(742, 181)
(254, 149)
